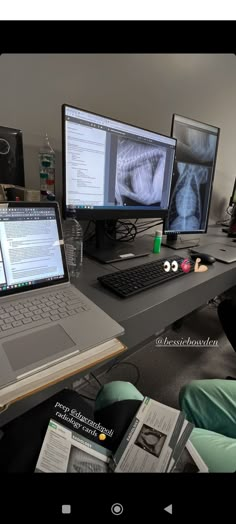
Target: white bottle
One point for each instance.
(73, 239)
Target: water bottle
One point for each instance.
(46, 168)
(73, 238)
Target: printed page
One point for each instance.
(190, 461)
(150, 439)
(182, 441)
(64, 451)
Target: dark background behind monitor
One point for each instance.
(11, 156)
(194, 170)
(110, 171)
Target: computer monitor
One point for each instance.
(233, 196)
(11, 156)
(113, 170)
(194, 169)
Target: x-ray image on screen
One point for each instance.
(194, 145)
(187, 210)
(193, 175)
(140, 172)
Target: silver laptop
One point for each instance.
(43, 318)
(223, 252)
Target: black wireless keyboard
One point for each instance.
(128, 282)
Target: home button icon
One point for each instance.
(117, 509)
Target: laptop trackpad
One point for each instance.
(37, 346)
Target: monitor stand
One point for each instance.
(174, 242)
(106, 249)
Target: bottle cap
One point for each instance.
(158, 233)
(50, 196)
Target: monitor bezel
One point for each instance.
(106, 214)
(195, 231)
(42, 284)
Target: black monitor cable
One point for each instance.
(123, 230)
(126, 364)
(116, 364)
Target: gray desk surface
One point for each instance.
(149, 312)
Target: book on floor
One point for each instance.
(155, 441)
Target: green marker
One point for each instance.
(157, 242)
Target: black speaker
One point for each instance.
(11, 156)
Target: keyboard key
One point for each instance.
(19, 317)
(17, 306)
(8, 321)
(27, 320)
(39, 311)
(46, 308)
(45, 315)
(28, 315)
(75, 301)
(6, 326)
(17, 323)
(71, 306)
(8, 308)
(55, 317)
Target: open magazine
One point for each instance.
(157, 440)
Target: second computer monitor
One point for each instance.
(113, 169)
(194, 170)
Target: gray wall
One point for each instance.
(142, 89)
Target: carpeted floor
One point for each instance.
(164, 370)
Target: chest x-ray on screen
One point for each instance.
(139, 173)
(193, 175)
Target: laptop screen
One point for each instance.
(31, 247)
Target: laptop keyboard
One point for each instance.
(20, 315)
